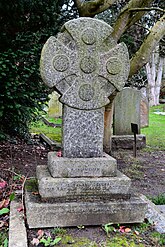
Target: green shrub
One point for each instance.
(25, 26)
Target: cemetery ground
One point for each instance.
(18, 162)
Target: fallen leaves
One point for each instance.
(127, 230)
(3, 184)
(4, 203)
(2, 223)
(122, 229)
(45, 238)
(136, 232)
(20, 209)
(40, 234)
(35, 241)
(35, 193)
(59, 153)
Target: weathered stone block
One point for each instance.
(90, 213)
(127, 141)
(54, 106)
(81, 167)
(17, 229)
(127, 111)
(71, 188)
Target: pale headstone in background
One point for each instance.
(126, 111)
(54, 106)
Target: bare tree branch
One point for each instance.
(127, 18)
(147, 9)
(139, 25)
(91, 8)
(142, 55)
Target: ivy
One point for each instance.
(25, 27)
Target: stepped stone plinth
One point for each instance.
(83, 187)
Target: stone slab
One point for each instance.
(73, 188)
(52, 144)
(161, 209)
(127, 141)
(127, 111)
(54, 106)
(81, 167)
(154, 215)
(41, 214)
(17, 229)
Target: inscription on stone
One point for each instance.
(80, 167)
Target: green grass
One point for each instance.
(137, 236)
(4, 238)
(54, 120)
(155, 133)
(53, 133)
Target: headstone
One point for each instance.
(54, 106)
(127, 111)
(127, 141)
(144, 108)
(83, 187)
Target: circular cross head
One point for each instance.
(88, 64)
(88, 36)
(114, 66)
(61, 63)
(86, 92)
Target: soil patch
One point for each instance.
(147, 172)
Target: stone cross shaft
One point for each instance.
(85, 65)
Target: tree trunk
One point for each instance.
(154, 71)
(108, 120)
(158, 80)
(126, 18)
(143, 54)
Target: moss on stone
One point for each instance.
(31, 185)
(68, 240)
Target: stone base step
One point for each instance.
(72, 188)
(41, 215)
(105, 166)
(127, 141)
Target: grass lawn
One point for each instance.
(155, 133)
(53, 133)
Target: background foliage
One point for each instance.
(25, 26)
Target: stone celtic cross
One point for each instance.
(85, 65)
